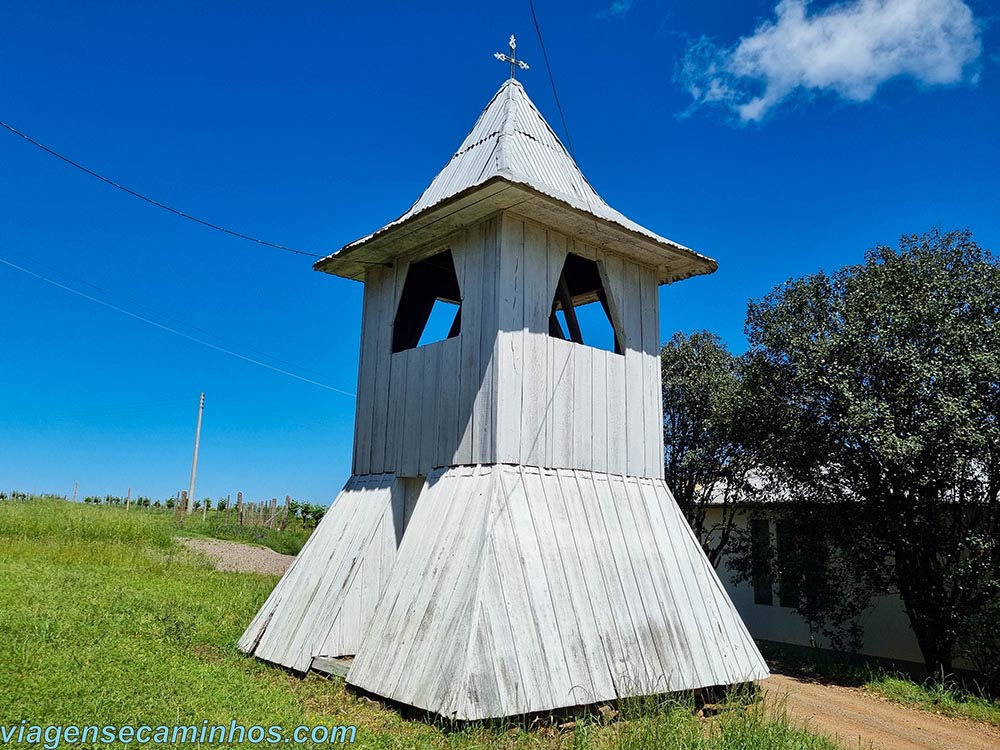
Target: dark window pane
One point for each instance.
(763, 584)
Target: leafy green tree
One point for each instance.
(879, 400)
(706, 463)
(311, 514)
(980, 644)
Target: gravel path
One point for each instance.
(859, 720)
(236, 556)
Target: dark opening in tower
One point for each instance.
(430, 307)
(582, 311)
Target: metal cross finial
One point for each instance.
(512, 59)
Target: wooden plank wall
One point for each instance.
(504, 391)
(562, 405)
(433, 405)
(521, 589)
(323, 603)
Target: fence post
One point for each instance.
(180, 508)
(284, 512)
(239, 508)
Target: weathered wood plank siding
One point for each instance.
(434, 405)
(325, 600)
(519, 589)
(561, 404)
(503, 390)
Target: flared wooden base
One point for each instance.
(514, 590)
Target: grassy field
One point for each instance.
(105, 619)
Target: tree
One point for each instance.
(880, 403)
(980, 644)
(703, 413)
(311, 514)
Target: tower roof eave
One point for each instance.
(499, 193)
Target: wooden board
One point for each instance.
(331, 667)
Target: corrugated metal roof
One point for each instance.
(511, 141)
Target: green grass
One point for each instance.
(105, 619)
(944, 698)
(218, 525)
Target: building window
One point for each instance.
(788, 577)
(581, 309)
(763, 581)
(430, 307)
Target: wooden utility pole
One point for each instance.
(194, 461)
(76, 486)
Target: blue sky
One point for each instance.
(779, 138)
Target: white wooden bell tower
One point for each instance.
(506, 543)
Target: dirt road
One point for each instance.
(859, 720)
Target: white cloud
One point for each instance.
(617, 8)
(850, 49)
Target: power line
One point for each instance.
(159, 313)
(115, 412)
(174, 330)
(153, 201)
(545, 56)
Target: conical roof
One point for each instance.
(512, 159)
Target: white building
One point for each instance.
(769, 613)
